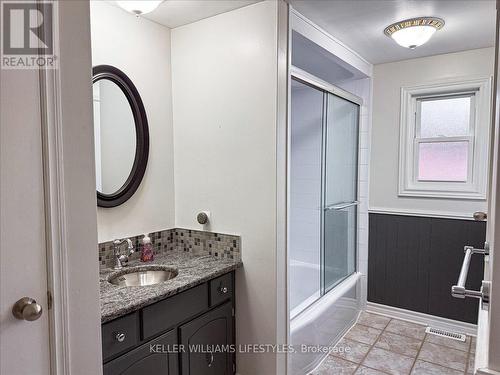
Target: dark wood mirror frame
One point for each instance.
(141, 131)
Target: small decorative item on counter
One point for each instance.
(147, 249)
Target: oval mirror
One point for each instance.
(121, 136)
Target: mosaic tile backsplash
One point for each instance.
(194, 241)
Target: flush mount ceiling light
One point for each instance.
(139, 7)
(414, 32)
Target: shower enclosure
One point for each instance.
(323, 211)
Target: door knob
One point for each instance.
(27, 309)
(480, 216)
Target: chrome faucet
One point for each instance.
(122, 259)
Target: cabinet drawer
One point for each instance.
(142, 360)
(165, 314)
(119, 335)
(221, 289)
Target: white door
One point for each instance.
(24, 345)
(49, 238)
(488, 338)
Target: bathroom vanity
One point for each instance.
(182, 325)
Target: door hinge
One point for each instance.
(234, 368)
(49, 300)
(232, 311)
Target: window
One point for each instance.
(445, 140)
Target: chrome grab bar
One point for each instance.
(459, 290)
(340, 206)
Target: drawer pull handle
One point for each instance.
(223, 289)
(210, 359)
(120, 337)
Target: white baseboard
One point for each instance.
(421, 318)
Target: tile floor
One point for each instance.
(379, 345)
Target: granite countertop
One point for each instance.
(193, 270)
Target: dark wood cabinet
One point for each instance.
(165, 314)
(191, 333)
(119, 335)
(221, 289)
(207, 343)
(154, 357)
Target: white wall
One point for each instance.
(141, 49)
(224, 72)
(387, 82)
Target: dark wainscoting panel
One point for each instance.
(413, 262)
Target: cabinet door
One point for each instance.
(206, 341)
(152, 357)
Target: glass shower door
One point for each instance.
(340, 191)
(322, 218)
(307, 118)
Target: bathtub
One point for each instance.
(320, 322)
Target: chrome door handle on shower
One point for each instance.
(340, 206)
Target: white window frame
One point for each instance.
(476, 185)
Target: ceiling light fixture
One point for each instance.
(139, 7)
(414, 32)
